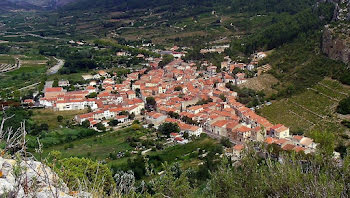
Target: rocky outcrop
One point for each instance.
(336, 36)
(32, 179)
(336, 42)
(342, 9)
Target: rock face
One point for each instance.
(337, 44)
(336, 36)
(31, 179)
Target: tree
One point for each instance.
(344, 106)
(168, 127)
(100, 127)
(178, 88)
(55, 82)
(86, 124)
(173, 115)
(151, 103)
(166, 60)
(222, 97)
(225, 142)
(131, 116)
(186, 135)
(236, 70)
(92, 95)
(59, 118)
(113, 123)
(172, 184)
(138, 92)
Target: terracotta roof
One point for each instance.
(54, 89)
(238, 147)
(288, 147)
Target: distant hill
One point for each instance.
(42, 3)
(6, 5)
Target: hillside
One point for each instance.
(7, 5)
(42, 4)
(184, 98)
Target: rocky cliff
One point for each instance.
(336, 42)
(336, 36)
(27, 179)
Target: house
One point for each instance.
(279, 131)
(195, 131)
(250, 67)
(121, 54)
(237, 150)
(93, 83)
(180, 140)
(304, 142)
(81, 118)
(241, 134)
(90, 89)
(219, 127)
(87, 77)
(195, 109)
(28, 102)
(102, 73)
(63, 83)
(122, 118)
(261, 55)
(212, 70)
(53, 92)
(155, 118)
(75, 104)
(131, 94)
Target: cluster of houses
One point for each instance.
(198, 101)
(192, 99)
(110, 103)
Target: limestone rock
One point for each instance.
(38, 180)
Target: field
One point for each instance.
(261, 83)
(31, 71)
(311, 110)
(4, 59)
(49, 117)
(101, 146)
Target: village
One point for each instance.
(198, 101)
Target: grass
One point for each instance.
(49, 116)
(263, 82)
(4, 59)
(26, 75)
(314, 109)
(98, 147)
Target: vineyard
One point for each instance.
(314, 109)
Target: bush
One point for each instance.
(61, 137)
(75, 170)
(344, 106)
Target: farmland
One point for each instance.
(311, 110)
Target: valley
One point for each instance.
(224, 98)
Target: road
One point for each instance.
(54, 69)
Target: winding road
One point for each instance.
(58, 66)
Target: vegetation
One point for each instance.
(311, 110)
(168, 127)
(344, 106)
(75, 171)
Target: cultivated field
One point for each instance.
(312, 110)
(49, 117)
(261, 83)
